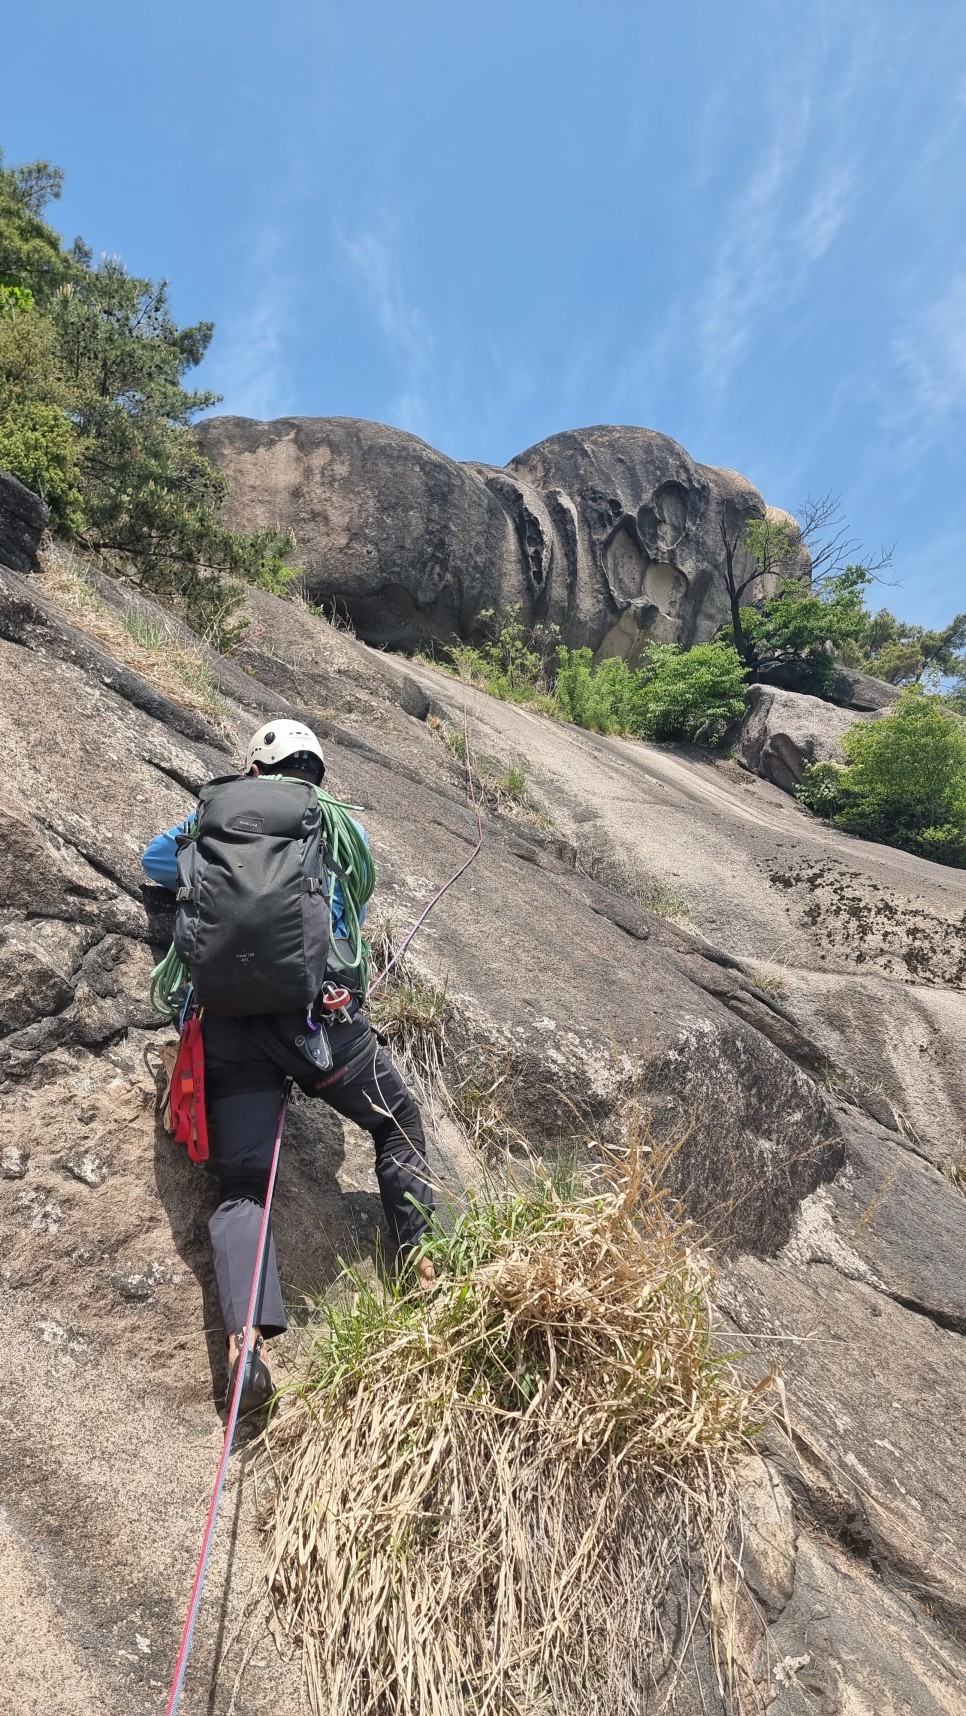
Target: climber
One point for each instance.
(331, 1054)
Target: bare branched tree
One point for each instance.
(733, 540)
(825, 534)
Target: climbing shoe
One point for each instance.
(257, 1386)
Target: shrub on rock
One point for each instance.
(692, 694)
(905, 783)
(607, 699)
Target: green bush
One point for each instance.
(673, 694)
(692, 694)
(905, 783)
(606, 699)
(514, 663)
(821, 788)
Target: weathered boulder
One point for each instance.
(23, 520)
(612, 534)
(636, 552)
(411, 544)
(783, 731)
(860, 691)
(848, 687)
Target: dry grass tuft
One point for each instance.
(769, 978)
(512, 1497)
(480, 1095)
(955, 1168)
(153, 648)
(598, 858)
(406, 1008)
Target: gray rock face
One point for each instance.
(612, 534)
(816, 975)
(23, 520)
(784, 730)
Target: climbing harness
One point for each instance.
(367, 874)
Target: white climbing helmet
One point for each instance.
(280, 739)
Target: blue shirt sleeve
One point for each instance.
(338, 903)
(160, 859)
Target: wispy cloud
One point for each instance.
(250, 364)
(751, 254)
(825, 214)
(932, 354)
(376, 265)
(798, 191)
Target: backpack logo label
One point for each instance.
(249, 822)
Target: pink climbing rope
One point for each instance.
(187, 1635)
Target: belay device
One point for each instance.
(252, 920)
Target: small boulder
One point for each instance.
(23, 520)
(783, 731)
(847, 687)
(13, 1162)
(83, 1165)
(860, 691)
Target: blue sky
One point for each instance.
(743, 225)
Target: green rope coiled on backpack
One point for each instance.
(346, 845)
(169, 983)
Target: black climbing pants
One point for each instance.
(246, 1064)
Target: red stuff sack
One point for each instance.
(188, 1120)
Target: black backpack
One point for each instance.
(252, 917)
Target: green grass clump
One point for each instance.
(150, 634)
(486, 1497)
(497, 785)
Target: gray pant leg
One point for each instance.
(234, 1230)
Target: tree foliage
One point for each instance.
(38, 440)
(95, 414)
(813, 622)
(904, 654)
(810, 627)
